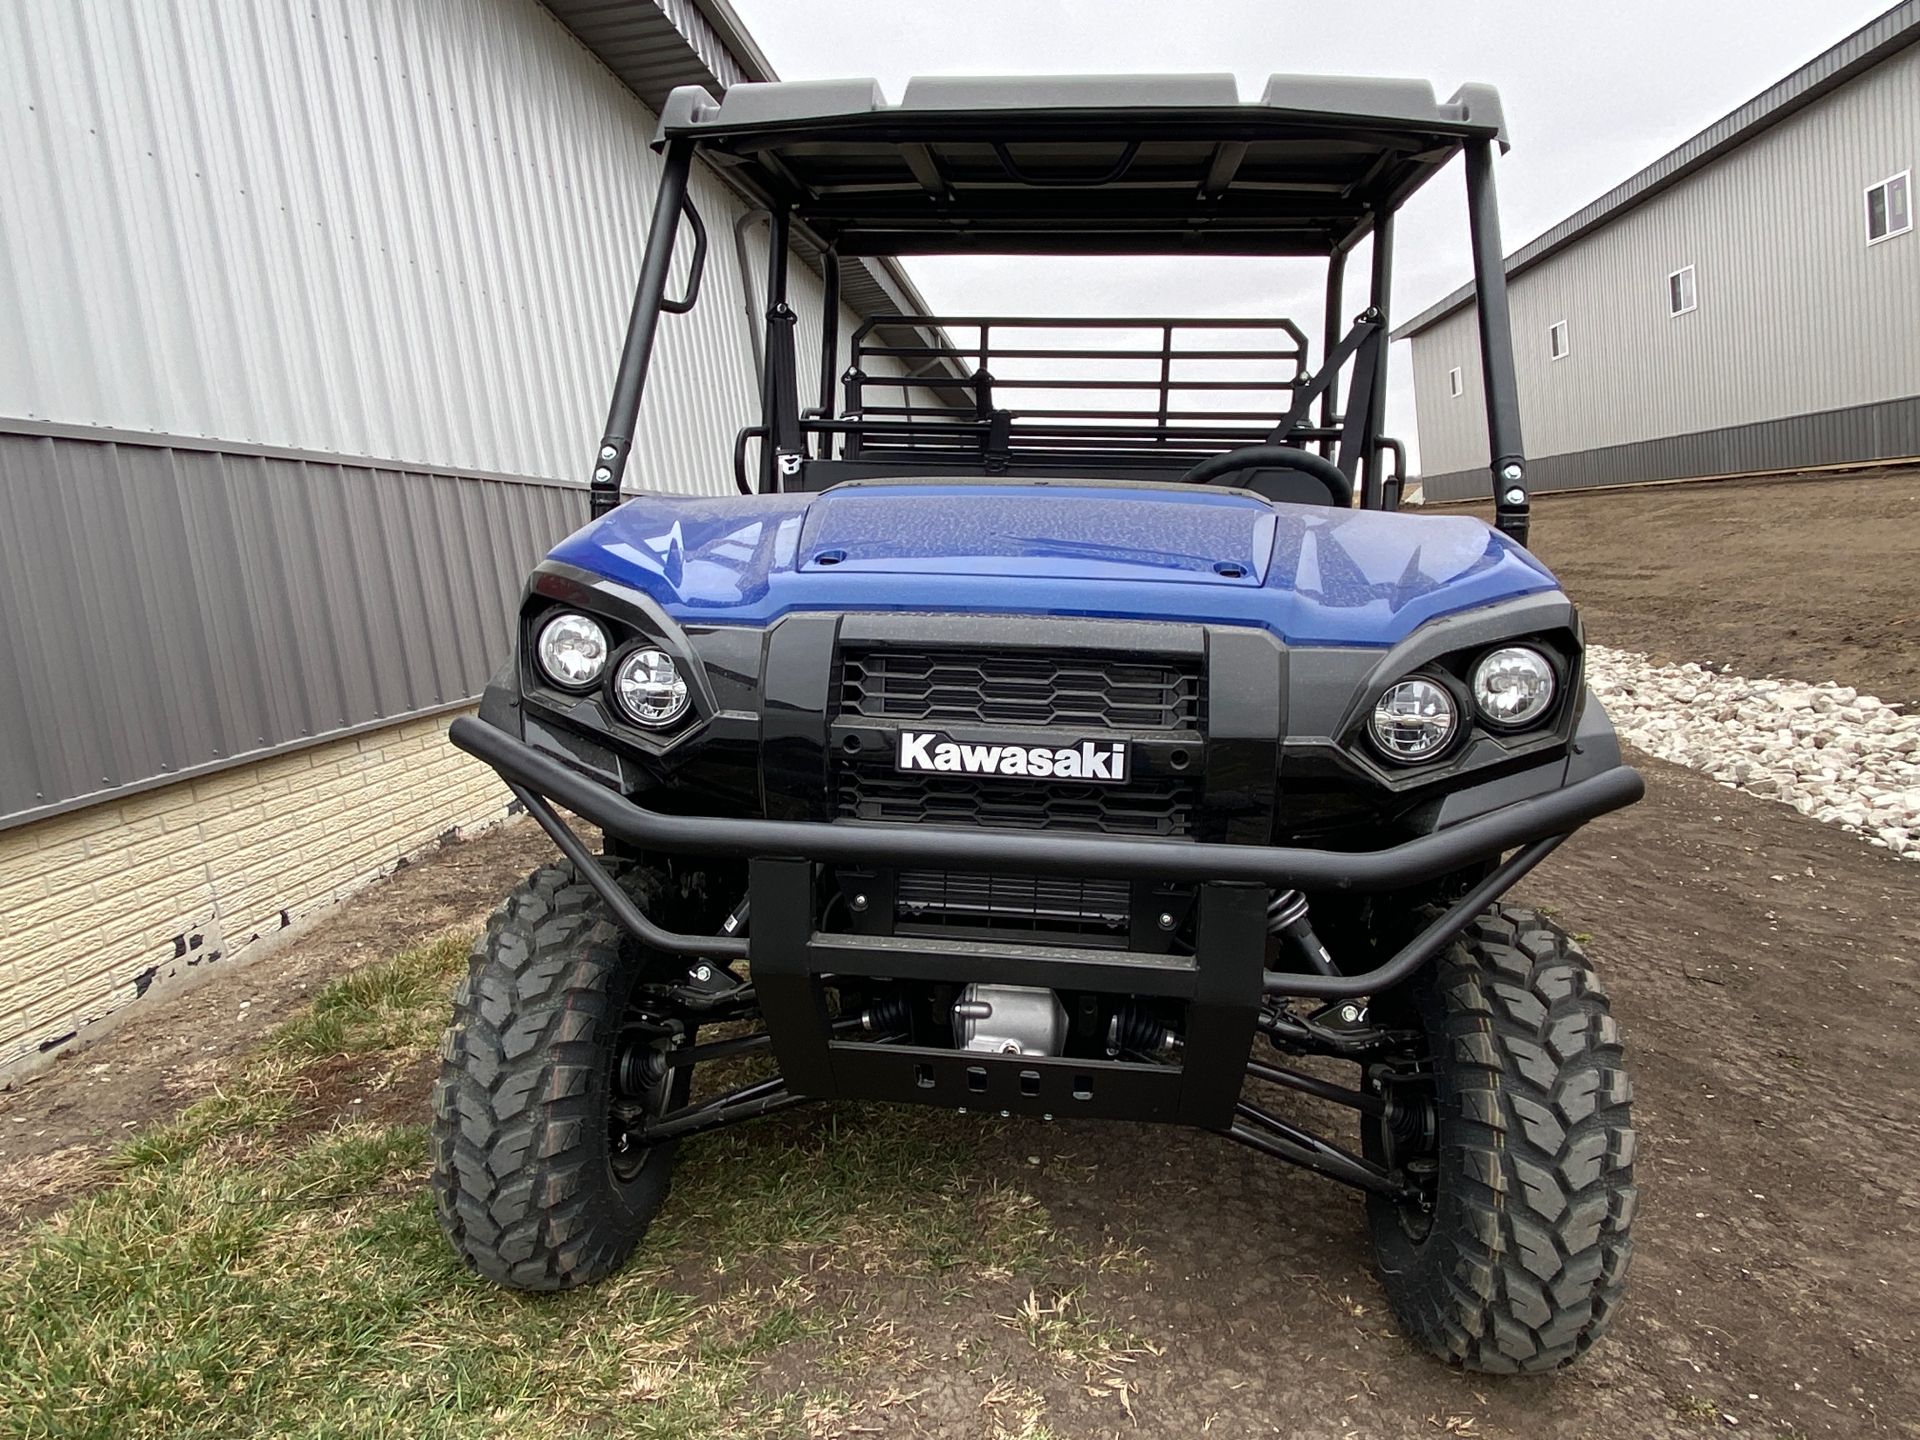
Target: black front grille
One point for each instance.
(1095, 911)
(1078, 691)
(875, 791)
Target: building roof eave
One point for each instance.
(652, 46)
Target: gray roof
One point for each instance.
(1395, 104)
(1084, 164)
(1866, 47)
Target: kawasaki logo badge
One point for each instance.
(1102, 761)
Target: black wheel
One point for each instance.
(543, 1069)
(1516, 1127)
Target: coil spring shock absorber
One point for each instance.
(1132, 1029)
(1287, 919)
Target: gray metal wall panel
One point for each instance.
(314, 260)
(1797, 314)
(1453, 428)
(1870, 45)
(1888, 430)
(168, 610)
(399, 230)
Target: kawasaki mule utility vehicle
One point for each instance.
(1062, 721)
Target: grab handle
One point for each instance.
(696, 268)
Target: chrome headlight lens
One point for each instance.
(1513, 687)
(650, 688)
(572, 650)
(1415, 720)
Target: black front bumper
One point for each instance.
(1410, 863)
(1221, 985)
(1221, 999)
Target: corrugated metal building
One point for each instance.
(311, 314)
(1749, 302)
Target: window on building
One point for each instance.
(1456, 383)
(1682, 296)
(1557, 340)
(1890, 207)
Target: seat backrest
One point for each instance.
(1282, 487)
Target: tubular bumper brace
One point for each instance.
(1532, 827)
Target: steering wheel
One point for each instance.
(1275, 457)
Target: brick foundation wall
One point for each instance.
(106, 903)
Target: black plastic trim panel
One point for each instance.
(791, 962)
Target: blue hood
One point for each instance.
(1309, 574)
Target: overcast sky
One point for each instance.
(1593, 92)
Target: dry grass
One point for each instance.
(35, 1180)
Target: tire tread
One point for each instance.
(520, 1179)
(1527, 1261)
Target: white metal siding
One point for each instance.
(399, 229)
(1797, 314)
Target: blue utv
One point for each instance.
(1063, 720)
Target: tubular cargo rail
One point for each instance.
(1060, 712)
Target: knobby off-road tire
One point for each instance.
(526, 1179)
(1521, 1263)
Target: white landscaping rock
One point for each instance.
(1827, 750)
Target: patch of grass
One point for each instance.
(246, 1277)
(261, 1102)
(1693, 1409)
(397, 1004)
(394, 1008)
(314, 1296)
(1071, 1339)
(1015, 1412)
(886, 1189)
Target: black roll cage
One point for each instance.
(1058, 199)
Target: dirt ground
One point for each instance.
(1809, 579)
(1763, 967)
(54, 1124)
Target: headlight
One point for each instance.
(572, 650)
(1415, 720)
(650, 688)
(1513, 687)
